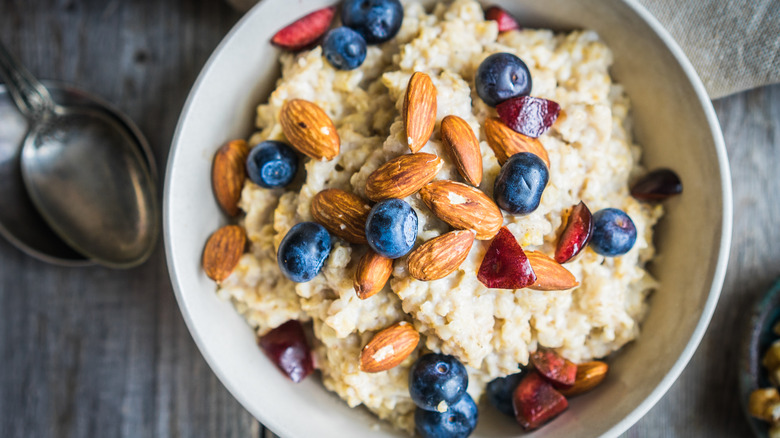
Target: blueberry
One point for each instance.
(271, 164)
(502, 76)
(437, 381)
(391, 228)
(344, 48)
(499, 392)
(614, 233)
(458, 422)
(377, 20)
(303, 251)
(520, 183)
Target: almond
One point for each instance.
(309, 130)
(505, 142)
(229, 173)
(463, 207)
(550, 275)
(223, 251)
(389, 348)
(458, 136)
(373, 271)
(440, 256)
(589, 375)
(342, 213)
(419, 110)
(402, 176)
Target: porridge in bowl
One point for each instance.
(425, 221)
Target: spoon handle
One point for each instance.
(30, 96)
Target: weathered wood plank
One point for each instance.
(94, 352)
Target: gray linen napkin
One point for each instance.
(734, 45)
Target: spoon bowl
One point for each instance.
(89, 181)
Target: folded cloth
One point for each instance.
(734, 45)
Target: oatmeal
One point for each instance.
(591, 159)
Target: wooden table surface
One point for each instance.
(99, 353)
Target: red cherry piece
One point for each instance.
(305, 31)
(536, 402)
(286, 346)
(657, 186)
(531, 116)
(576, 235)
(503, 18)
(505, 265)
(557, 370)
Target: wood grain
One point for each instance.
(93, 352)
(100, 353)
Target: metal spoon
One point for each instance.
(85, 174)
(20, 222)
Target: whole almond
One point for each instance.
(309, 130)
(589, 375)
(440, 256)
(223, 251)
(463, 207)
(402, 176)
(389, 348)
(342, 213)
(419, 110)
(228, 174)
(505, 142)
(550, 275)
(373, 271)
(460, 139)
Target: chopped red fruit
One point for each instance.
(531, 116)
(505, 265)
(576, 234)
(305, 31)
(286, 346)
(559, 371)
(657, 186)
(536, 402)
(503, 18)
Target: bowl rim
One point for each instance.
(726, 226)
(715, 287)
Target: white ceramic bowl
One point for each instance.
(674, 121)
